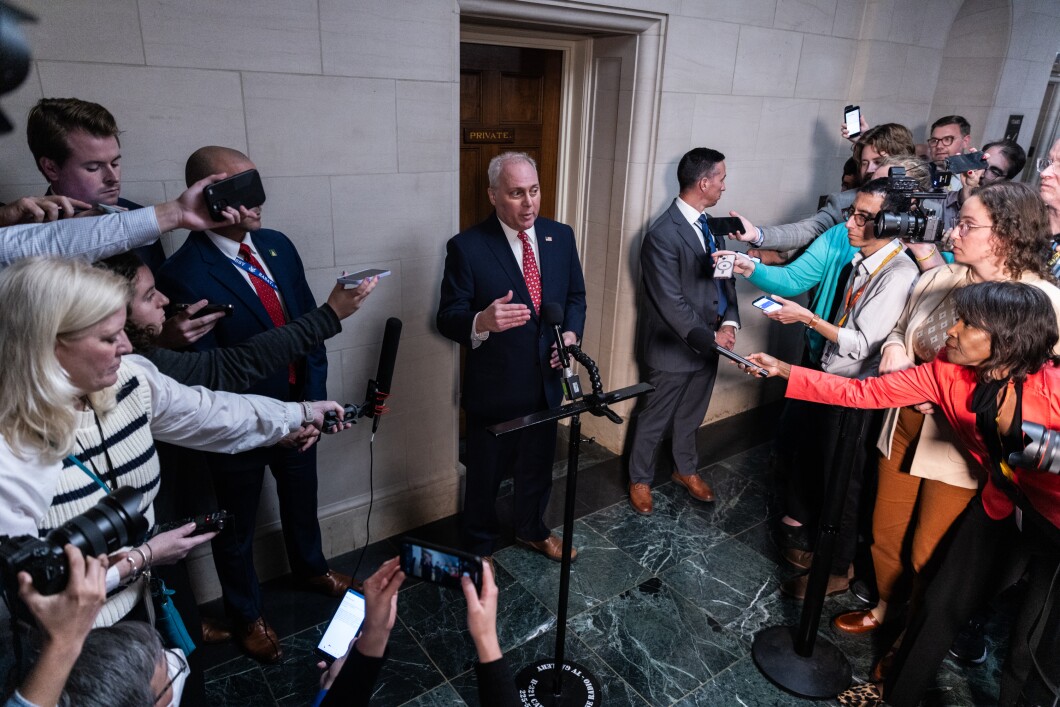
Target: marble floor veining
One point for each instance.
(662, 609)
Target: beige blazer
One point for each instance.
(939, 456)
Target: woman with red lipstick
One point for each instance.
(997, 371)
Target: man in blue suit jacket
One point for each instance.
(211, 266)
(511, 369)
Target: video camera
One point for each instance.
(909, 221)
(113, 523)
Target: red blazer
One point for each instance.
(950, 386)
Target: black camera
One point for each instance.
(113, 523)
(909, 221)
(1040, 450)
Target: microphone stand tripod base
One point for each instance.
(824, 674)
(578, 687)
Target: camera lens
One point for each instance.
(115, 522)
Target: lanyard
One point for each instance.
(853, 297)
(256, 272)
(91, 474)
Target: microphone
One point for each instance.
(703, 341)
(379, 389)
(552, 316)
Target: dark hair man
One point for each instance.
(680, 294)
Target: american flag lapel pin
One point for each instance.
(548, 239)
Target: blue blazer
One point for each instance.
(198, 270)
(505, 376)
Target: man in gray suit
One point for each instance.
(680, 294)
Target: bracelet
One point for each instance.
(134, 573)
(144, 564)
(814, 322)
(150, 553)
(307, 412)
(934, 251)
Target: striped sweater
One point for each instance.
(127, 441)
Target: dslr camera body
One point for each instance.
(113, 523)
(919, 223)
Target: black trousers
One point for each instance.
(978, 558)
(815, 465)
(238, 492)
(528, 454)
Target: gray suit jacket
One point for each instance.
(792, 236)
(678, 295)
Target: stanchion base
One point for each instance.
(578, 687)
(826, 673)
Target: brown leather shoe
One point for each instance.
(551, 547)
(331, 584)
(260, 641)
(798, 558)
(214, 631)
(796, 586)
(697, 487)
(640, 498)
(856, 622)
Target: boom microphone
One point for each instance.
(552, 316)
(379, 389)
(703, 341)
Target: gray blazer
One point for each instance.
(678, 294)
(792, 236)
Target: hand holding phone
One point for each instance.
(243, 189)
(767, 305)
(440, 565)
(210, 308)
(343, 627)
(206, 523)
(852, 122)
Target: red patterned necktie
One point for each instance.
(530, 272)
(268, 298)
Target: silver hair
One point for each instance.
(115, 667)
(498, 162)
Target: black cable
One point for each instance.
(371, 500)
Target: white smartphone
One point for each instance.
(723, 267)
(852, 117)
(343, 627)
(766, 304)
(356, 278)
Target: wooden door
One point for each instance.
(509, 100)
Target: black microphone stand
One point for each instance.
(786, 654)
(542, 683)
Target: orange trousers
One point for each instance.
(909, 504)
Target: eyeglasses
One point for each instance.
(859, 218)
(963, 227)
(176, 666)
(944, 141)
(1044, 163)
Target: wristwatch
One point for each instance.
(307, 412)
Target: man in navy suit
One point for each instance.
(497, 276)
(680, 294)
(259, 271)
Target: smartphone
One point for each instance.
(724, 225)
(357, 278)
(852, 118)
(210, 308)
(723, 267)
(966, 162)
(766, 304)
(203, 524)
(438, 564)
(344, 625)
(759, 371)
(243, 189)
(108, 209)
